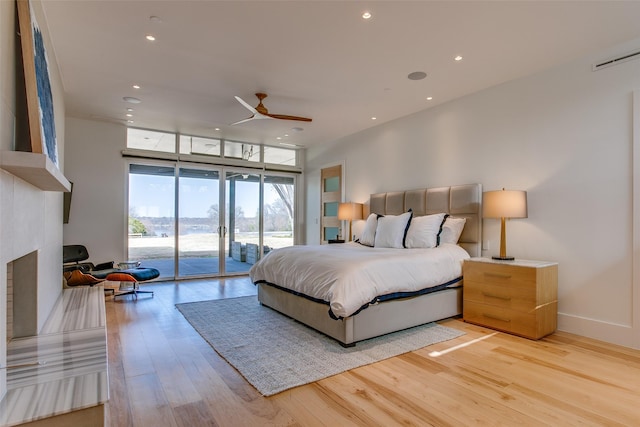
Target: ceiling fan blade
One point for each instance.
(256, 116)
(247, 106)
(261, 112)
(244, 120)
(285, 117)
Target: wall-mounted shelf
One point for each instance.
(37, 169)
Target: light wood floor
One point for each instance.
(162, 373)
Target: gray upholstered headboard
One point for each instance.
(458, 201)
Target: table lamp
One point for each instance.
(349, 211)
(504, 204)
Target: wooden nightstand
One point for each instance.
(519, 297)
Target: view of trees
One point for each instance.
(137, 227)
(278, 216)
(286, 197)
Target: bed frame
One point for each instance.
(390, 316)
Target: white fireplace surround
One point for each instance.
(31, 244)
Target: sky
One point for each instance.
(153, 196)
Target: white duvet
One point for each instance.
(350, 275)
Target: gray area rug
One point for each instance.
(275, 353)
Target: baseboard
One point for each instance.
(623, 335)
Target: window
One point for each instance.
(198, 220)
(142, 139)
(152, 216)
(242, 150)
(198, 145)
(166, 142)
(279, 156)
(279, 210)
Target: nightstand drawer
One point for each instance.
(500, 274)
(500, 318)
(520, 298)
(535, 324)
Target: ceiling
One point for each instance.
(318, 59)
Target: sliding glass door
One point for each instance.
(242, 220)
(202, 221)
(151, 226)
(198, 222)
(278, 211)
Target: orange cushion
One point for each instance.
(121, 277)
(78, 278)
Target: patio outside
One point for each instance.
(199, 252)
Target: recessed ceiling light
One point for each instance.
(129, 109)
(429, 98)
(286, 135)
(366, 15)
(129, 115)
(216, 129)
(136, 86)
(289, 145)
(417, 75)
(131, 100)
(129, 121)
(458, 58)
(278, 138)
(374, 118)
(150, 37)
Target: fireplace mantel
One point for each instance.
(37, 169)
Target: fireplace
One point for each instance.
(22, 304)
(22, 296)
(30, 261)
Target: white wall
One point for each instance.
(30, 219)
(98, 171)
(565, 136)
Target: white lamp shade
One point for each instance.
(349, 211)
(504, 204)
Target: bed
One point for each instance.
(423, 298)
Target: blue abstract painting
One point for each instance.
(45, 98)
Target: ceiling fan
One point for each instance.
(261, 112)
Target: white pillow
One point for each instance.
(423, 231)
(368, 235)
(392, 230)
(452, 229)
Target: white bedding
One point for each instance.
(351, 275)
